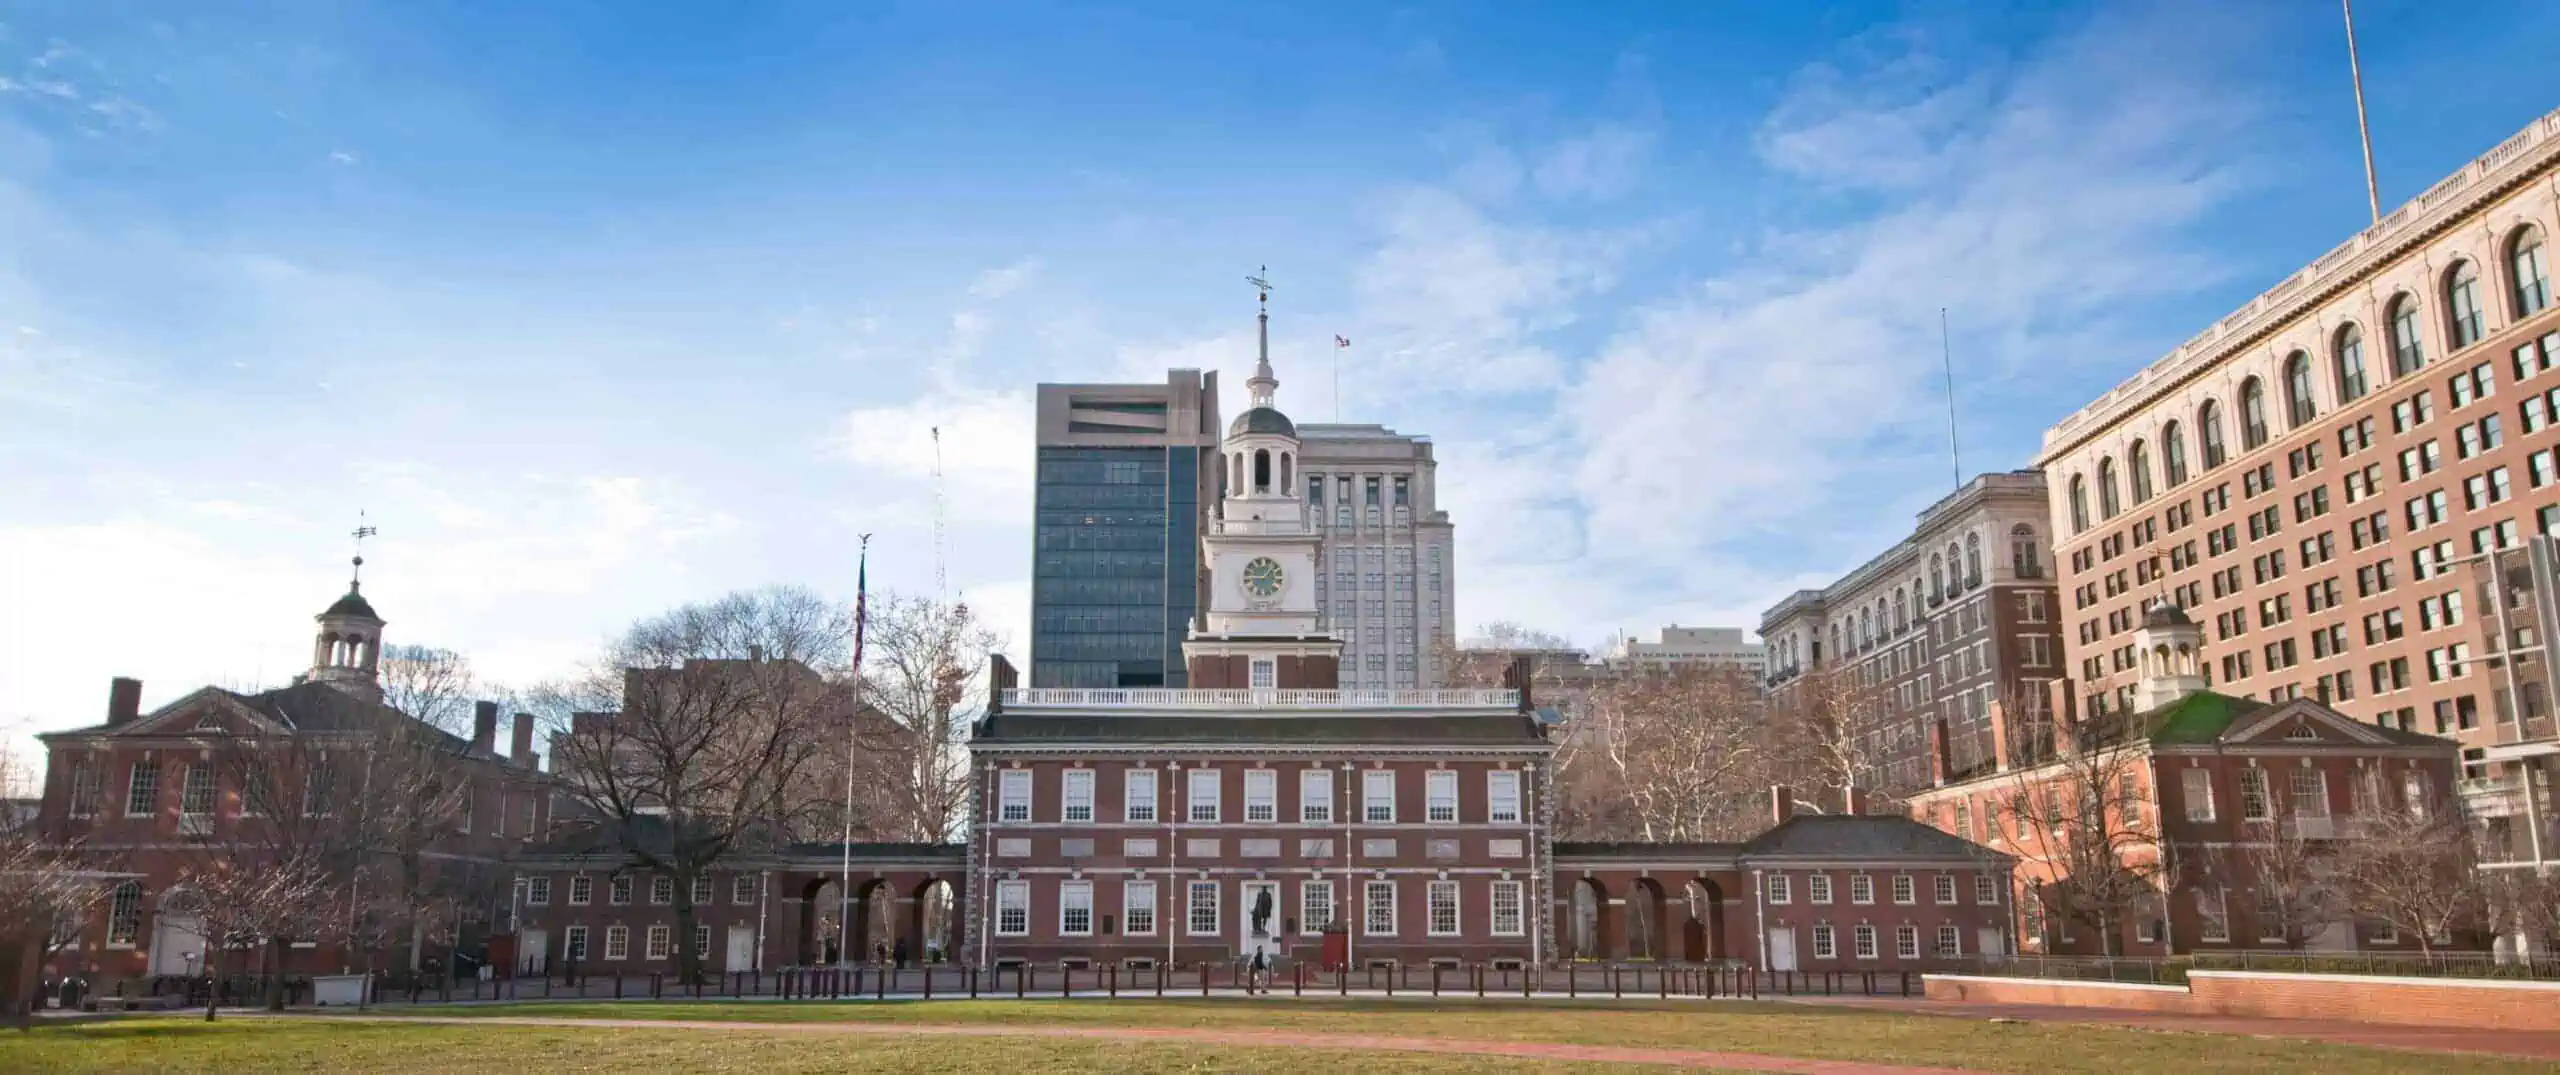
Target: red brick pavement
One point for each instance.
(2535, 1044)
(1525, 1050)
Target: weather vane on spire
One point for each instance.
(1261, 286)
(362, 532)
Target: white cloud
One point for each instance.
(1600, 164)
(997, 283)
(344, 157)
(986, 445)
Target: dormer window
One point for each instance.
(1265, 673)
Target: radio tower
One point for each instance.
(941, 581)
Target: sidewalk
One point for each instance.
(2531, 1044)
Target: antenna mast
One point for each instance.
(941, 581)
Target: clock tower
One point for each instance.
(1262, 628)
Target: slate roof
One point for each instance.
(1868, 836)
(353, 604)
(1492, 729)
(310, 707)
(1262, 420)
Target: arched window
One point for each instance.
(1937, 577)
(1262, 470)
(2079, 505)
(2209, 432)
(2524, 262)
(1287, 481)
(2137, 465)
(1901, 611)
(2107, 503)
(1955, 571)
(1973, 559)
(1866, 627)
(2299, 406)
(2462, 304)
(2173, 452)
(2407, 354)
(2022, 552)
(2253, 414)
(2349, 352)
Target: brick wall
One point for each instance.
(2360, 998)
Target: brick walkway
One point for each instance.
(2532, 1044)
(1524, 1050)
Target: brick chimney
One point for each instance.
(1000, 678)
(1782, 803)
(1853, 801)
(484, 726)
(522, 749)
(1519, 676)
(1941, 767)
(124, 700)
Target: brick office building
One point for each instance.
(149, 795)
(2309, 475)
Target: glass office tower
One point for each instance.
(1121, 487)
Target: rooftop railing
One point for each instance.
(1172, 698)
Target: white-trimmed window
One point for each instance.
(142, 788)
(662, 890)
(1261, 795)
(1013, 908)
(582, 890)
(1865, 937)
(1378, 909)
(701, 942)
(1378, 796)
(662, 941)
(1986, 890)
(1508, 901)
(1906, 941)
(1904, 891)
(1013, 795)
(1315, 796)
(618, 891)
(1442, 903)
(1862, 888)
(1138, 794)
(573, 944)
(1075, 909)
(704, 892)
(2196, 787)
(617, 943)
(1944, 888)
(1440, 796)
(2253, 794)
(1950, 941)
(1502, 796)
(1315, 906)
(1138, 908)
(124, 914)
(537, 891)
(1265, 674)
(1203, 797)
(84, 788)
(1782, 888)
(2310, 788)
(742, 889)
(1825, 945)
(195, 792)
(1817, 888)
(1201, 918)
(1075, 795)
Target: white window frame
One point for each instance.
(1140, 809)
(1075, 796)
(537, 891)
(1262, 795)
(1316, 907)
(1862, 888)
(1440, 796)
(1262, 674)
(1950, 941)
(1439, 896)
(1943, 889)
(2196, 786)
(617, 943)
(1013, 908)
(660, 944)
(1013, 795)
(1376, 809)
(1817, 888)
(2254, 792)
(1138, 908)
(1781, 888)
(662, 890)
(1202, 802)
(1986, 890)
(705, 892)
(1865, 939)
(1315, 796)
(573, 944)
(582, 890)
(1826, 944)
(617, 890)
(1906, 892)
(1373, 910)
(1510, 920)
(1074, 896)
(132, 784)
(742, 889)
(1192, 907)
(1502, 796)
(1906, 941)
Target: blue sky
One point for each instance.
(599, 307)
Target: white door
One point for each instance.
(533, 951)
(177, 945)
(1987, 942)
(1782, 948)
(1263, 935)
(742, 948)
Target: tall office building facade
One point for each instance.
(1388, 581)
(1125, 474)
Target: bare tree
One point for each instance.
(242, 905)
(45, 890)
(694, 729)
(2416, 869)
(925, 667)
(1679, 751)
(2080, 815)
(434, 685)
(2528, 900)
(1831, 730)
(2291, 865)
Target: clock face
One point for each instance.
(1263, 577)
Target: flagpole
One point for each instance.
(853, 729)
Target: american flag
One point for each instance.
(1342, 341)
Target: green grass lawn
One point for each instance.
(299, 1044)
(1773, 1029)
